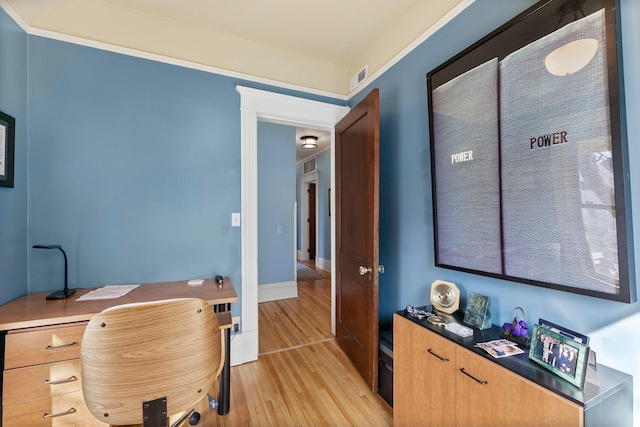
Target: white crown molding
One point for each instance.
(14, 15)
(430, 31)
(33, 31)
(214, 70)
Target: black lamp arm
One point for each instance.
(66, 284)
(65, 292)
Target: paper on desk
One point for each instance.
(108, 292)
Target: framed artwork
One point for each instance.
(561, 355)
(7, 149)
(529, 156)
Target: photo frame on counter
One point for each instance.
(7, 149)
(563, 356)
(478, 312)
(583, 339)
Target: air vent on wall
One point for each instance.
(358, 78)
(309, 165)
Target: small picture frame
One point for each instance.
(478, 312)
(565, 357)
(7, 149)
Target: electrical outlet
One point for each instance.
(235, 321)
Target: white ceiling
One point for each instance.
(310, 45)
(316, 45)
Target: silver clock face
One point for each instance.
(444, 296)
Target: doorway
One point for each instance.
(261, 105)
(311, 221)
(308, 217)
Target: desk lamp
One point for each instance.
(66, 292)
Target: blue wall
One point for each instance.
(406, 221)
(13, 201)
(276, 200)
(134, 169)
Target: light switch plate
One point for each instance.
(235, 219)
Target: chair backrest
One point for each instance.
(135, 353)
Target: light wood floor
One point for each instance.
(302, 377)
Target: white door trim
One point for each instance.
(259, 105)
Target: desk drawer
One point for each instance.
(66, 410)
(43, 345)
(41, 381)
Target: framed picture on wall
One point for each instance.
(7, 149)
(529, 155)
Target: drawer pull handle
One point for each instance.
(71, 410)
(55, 347)
(473, 378)
(444, 359)
(66, 380)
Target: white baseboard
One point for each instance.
(277, 291)
(324, 264)
(236, 349)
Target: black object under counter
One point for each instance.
(385, 367)
(609, 404)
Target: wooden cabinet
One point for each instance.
(439, 381)
(425, 360)
(42, 383)
(482, 384)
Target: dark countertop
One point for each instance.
(611, 380)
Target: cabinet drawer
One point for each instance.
(41, 381)
(43, 345)
(66, 410)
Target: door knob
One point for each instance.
(364, 270)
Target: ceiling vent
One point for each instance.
(309, 166)
(358, 78)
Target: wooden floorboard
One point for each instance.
(302, 377)
(296, 321)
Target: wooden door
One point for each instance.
(312, 221)
(357, 158)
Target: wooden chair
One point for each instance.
(143, 362)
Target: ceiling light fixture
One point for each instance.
(309, 141)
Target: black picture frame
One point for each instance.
(502, 212)
(7, 149)
(556, 355)
(568, 333)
